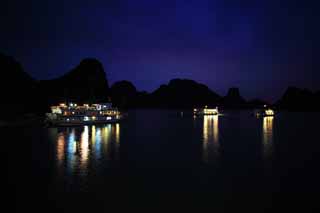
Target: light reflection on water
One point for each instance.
(117, 133)
(267, 136)
(77, 147)
(171, 165)
(80, 148)
(84, 149)
(71, 151)
(210, 137)
(96, 140)
(106, 136)
(60, 149)
(117, 138)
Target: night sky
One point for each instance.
(260, 46)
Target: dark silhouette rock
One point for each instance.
(233, 99)
(183, 93)
(123, 94)
(85, 83)
(14, 81)
(296, 99)
(18, 89)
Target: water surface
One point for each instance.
(162, 159)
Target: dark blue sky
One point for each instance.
(259, 46)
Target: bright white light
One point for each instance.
(269, 112)
(211, 111)
(86, 118)
(56, 110)
(109, 118)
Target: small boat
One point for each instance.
(74, 115)
(264, 112)
(206, 111)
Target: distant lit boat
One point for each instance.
(264, 112)
(74, 115)
(206, 111)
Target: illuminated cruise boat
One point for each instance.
(264, 112)
(206, 111)
(74, 115)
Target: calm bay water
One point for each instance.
(165, 159)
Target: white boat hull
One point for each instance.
(82, 123)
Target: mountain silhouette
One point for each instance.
(123, 94)
(233, 99)
(296, 99)
(14, 80)
(183, 93)
(85, 83)
(18, 89)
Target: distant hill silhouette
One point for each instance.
(296, 99)
(17, 88)
(183, 93)
(123, 94)
(179, 93)
(233, 99)
(14, 80)
(85, 83)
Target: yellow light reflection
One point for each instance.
(206, 127)
(215, 129)
(84, 148)
(106, 132)
(61, 148)
(267, 136)
(75, 149)
(117, 140)
(210, 137)
(93, 134)
(117, 133)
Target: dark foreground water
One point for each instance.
(166, 160)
